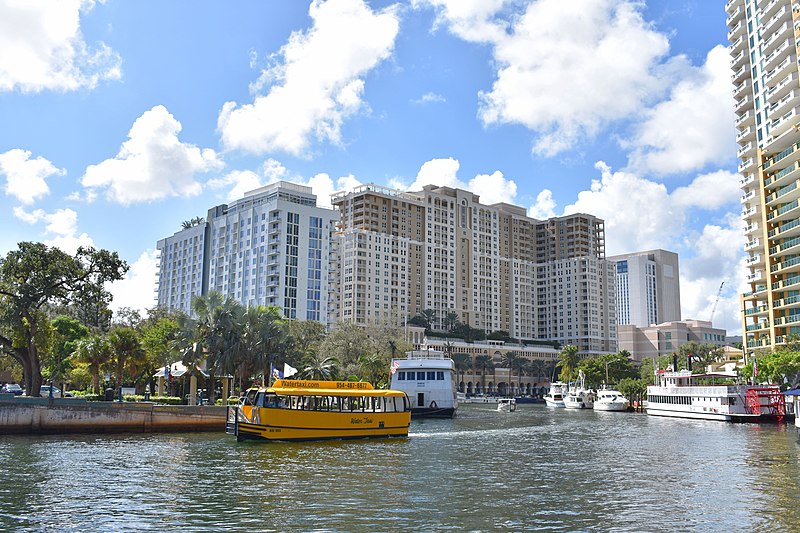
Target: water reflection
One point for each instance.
(536, 469)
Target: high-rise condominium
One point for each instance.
(763, 36)
(489, 266)
(271, 247)
(648, 288)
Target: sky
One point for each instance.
(121, 119)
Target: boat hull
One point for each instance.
(615, 406)
(247, 431)
(554, 403)
(722, 417)
(433, 412)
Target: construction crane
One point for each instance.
(716, 301)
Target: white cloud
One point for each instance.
(429, 98)
(709, 191)
(152, 164)
(318, 85)
(43, 48)
(26, 178)
(694, 127)
(61, 227)
(471, 20)
(548, 83)
(440, 172)
(136, 289)
(493, 188)
(544, 206)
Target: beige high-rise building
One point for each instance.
(496, 269)
(763, 36)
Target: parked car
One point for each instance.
(44, 391)
(12, 388)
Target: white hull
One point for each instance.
(690, 414)
(553, 403)
(610, 406)
(427, 378)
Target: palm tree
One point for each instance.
(318, 366)
(522, 366)
(483, 362)
(373, 366)
(96, 352)
(568, 361)
(509, 360)
(428, 317)
(450, 320)
(125, 346)
(462, 362)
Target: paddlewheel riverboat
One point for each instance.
(296, 410)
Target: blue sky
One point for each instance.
(121, 119)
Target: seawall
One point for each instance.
(68, 415)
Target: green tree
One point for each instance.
(509, 360)
(127, 352)
(635, 390)
(450, 320)
(319, 366)
(568, 362)
(262, 336)
(462, 363)
(304, 335)
(346, 343)
(428, 318)
(95, 352)
(482, 363)
(35, 276)
(67, 333)
(702, 354)
(607, 368)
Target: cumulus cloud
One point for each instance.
(152, 164)
(136, 289)
(544, 206)
(471, 20)
(694, 126)
(61, 228)
(709, 191)
(242, 181)
(26, 178)
(44, 49)
(318, 83)
(430, 98)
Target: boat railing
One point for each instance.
(705, 390)
(426, 354)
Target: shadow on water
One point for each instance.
(535, 469)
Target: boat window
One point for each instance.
(440, 376)
(431, 376)
(401, 376)
(251, 396)
(420, 376)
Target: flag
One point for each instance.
(395, 366)
(288, 370)
(276, 374)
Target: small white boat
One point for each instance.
(610, 400)
(508, 405)
(555, 396)
(579, 398)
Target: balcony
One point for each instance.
(769, 10)
(755, 276)
(785, 265)
(771, 23)
(740, 74)
(772, 60)
(746, 134)
(736, 31)
(761, 342)
(749, 212)
(784, 230)
(748, 117)
(752, 245)
(790, 319)
(751, 228)
(782, 177)
(758, 326)
(783, 212)
(760, 310)
(782, 68)
(785, 302)
(788, 100)
(738, 12)
(775, 39)
(747, 180)
(784, 194)
(744, 151)
(782, 87)
(753, 260)
(782, 124)
(738, 59)
(747, 196)
(790, 246)
(746, 164)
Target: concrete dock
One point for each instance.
(33, 416)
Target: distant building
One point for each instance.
(666, 338)
(493, 267)
(648, 288)
(271, 247)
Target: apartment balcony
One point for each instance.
(772, 60)
(783, 124)
(749, 212)
(780, 106)
(786, 267)
(769, 10)
(747, 180)
(750, 195)
(735, 15)
(741, 89)
(761, 342)
(785, 194)
(753, 260)
(781, 69)
(758, 326)
(781, 31)
(747, 164)
(791, 301)
(737, 30)
(784, 212)
(753, 244)
(743, 103)
(755, 276)
(783, 14)
(746, 134)
(787, 230)
(738, 60)
(751, 228)
(791, 246)
(747, 118)
(740, 74)
(747, 150)
(789, 319)
(754, 311)
(783, 177)
(780, 89)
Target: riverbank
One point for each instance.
(43, 416)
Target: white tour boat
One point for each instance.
(507, 404)
(610, 400)
(426, 376)
(555, 396)
(677, 395)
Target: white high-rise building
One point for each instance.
(648, 288)
(271, 247)
(182, 266)
(766, 80)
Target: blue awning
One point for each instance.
(792, 392)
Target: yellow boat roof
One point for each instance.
(298, 387)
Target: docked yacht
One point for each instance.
(555, 396)
(678, 395)
(427, 377)
(578, 396)
(610, 400)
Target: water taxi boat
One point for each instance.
(427, 377)
(679, 395)
(297, 410)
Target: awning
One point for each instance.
(177, 369)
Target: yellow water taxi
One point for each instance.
(293, 410)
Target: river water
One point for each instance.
(538, 469)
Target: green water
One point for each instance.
(537, 469)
